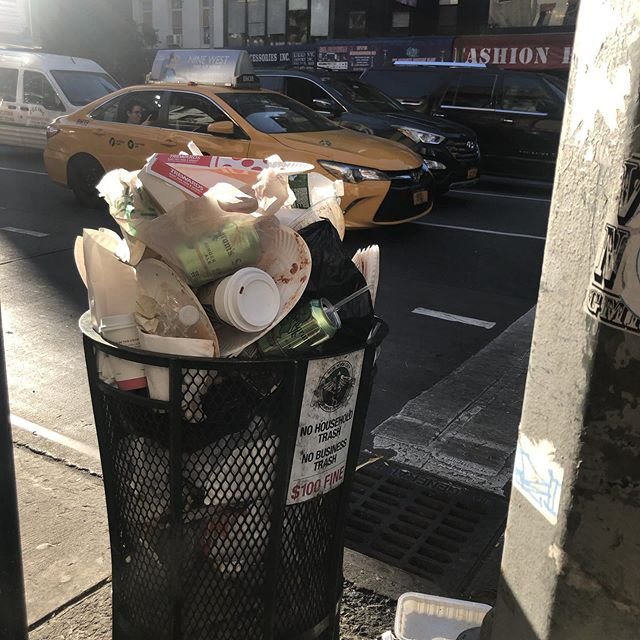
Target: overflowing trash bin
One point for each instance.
(230, 345)
(230, 526)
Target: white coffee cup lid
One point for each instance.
(253, 299)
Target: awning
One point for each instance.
(533, 52)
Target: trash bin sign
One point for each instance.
(227, 502)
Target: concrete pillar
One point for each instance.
(572, 552)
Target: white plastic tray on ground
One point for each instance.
(424, 617)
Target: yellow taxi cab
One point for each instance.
(212, 98)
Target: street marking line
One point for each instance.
(25, 232)
(474, 230)
(491, 194)
(54, 436)
(441, 315)
(35, 173)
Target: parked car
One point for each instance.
(35, 88)
(218, 104)
(449, 149)
(516, 114)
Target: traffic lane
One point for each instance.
(38, 216)
(483, 277)
(511, 186)
(21, 158)
(484, 211)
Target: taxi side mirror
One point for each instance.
(224, 128)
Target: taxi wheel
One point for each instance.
(84, 174)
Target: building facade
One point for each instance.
(357, 34)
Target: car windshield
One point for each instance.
(83, 87)
(275, 113)
(364, 96)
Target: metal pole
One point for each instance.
(13, 614)
(570, 565)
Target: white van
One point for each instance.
(35, 88)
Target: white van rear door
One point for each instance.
(9, 119)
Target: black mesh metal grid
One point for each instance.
(203, 545)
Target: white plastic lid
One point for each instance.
(118, 321)
(254, 297)
(188, 315)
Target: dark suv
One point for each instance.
(516, 114)
(450, 150)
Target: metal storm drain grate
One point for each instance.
(422, 524)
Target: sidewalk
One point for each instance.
(463, 429)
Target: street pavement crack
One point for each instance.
(47, 454)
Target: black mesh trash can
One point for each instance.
(227, 502)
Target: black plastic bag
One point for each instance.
(334, 277)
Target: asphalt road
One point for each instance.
(472, 266)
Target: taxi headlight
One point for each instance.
(352, 173)
(425, 137)
(52, 130)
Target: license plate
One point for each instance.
(420, 197)
(472, 173)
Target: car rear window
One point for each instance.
(275, 113)
(83, 87)
(471, 90)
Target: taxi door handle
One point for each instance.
(98, 132)
(169, 143)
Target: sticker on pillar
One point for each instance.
(324, 430)
(537, 476)
(613, 297)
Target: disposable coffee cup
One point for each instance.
(248, 300)
(122, 330)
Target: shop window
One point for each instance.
(236, 24)
(256, 14)
(357, 21)
(176, 16)
(277, 21)
(38, 90)
(471, 91)
(320, 15)
(546, 13)
(206, 36)
(298, 21)
(8, 84)
(147, 13)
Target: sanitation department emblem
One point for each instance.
(336, 386)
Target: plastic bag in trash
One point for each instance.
(334, 276)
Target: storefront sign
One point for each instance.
(324, 431)
(301, 57)
(531, 51)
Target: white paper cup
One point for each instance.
(248, 300)
(121, 329)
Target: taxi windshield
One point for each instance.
(83, 87)
(363, 96)
(275, 113)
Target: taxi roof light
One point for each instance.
(221, 67)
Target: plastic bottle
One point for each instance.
(175, 321)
